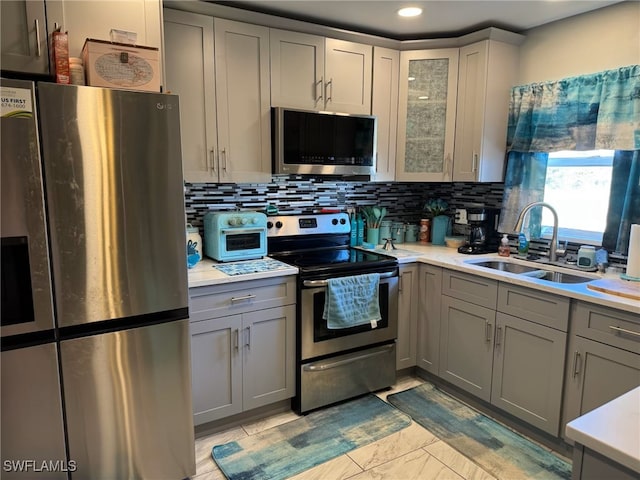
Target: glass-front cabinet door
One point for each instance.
(427, 115)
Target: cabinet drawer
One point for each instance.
(470, 288)
(613, 327)
(222, 300)
(534, 305)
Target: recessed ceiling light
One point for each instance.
(409, 12)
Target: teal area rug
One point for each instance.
(288, 449)
(500, 451)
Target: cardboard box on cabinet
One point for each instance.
(119, 65)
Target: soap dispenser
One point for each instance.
(503, 249)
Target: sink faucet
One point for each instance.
(554, 249)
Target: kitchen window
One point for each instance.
(578, 185)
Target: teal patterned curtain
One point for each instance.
(624, 201)
(589, 112)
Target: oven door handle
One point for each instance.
(226, 231)
(323, 283)
(326, 366)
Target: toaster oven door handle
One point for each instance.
(323, 283)
(225, 231)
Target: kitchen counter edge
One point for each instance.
(204, 274)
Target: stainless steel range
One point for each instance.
(334, 364)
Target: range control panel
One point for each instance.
(288, 225)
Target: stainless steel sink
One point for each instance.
(532, 272)
(505, 266)
(561, 277)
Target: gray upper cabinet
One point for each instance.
(427, 115)
(192, 77)
(310, 72)
(297, 70)
(384, 105)
(24, 37)
(487, 71)
(220, 70)
(242, 101)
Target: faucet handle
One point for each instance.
(388, 245)
(561, 251)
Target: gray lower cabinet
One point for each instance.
(590, 465)
(466, 345)
(242, 346)
(528, 371)
(506, 345)
(408, 305)
(430, 294)
(603, 362)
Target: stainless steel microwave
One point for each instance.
(319, 143)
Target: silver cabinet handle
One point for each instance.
(474, 162)
(38, 51)
(447, 164)
(576, 356)
(223, 155)
(487, 330)
(243, 298)
(237, 335)
(624, 330)
(329, 87)
(498, 335)
(248, 344)
(318, 91)
(212, 160)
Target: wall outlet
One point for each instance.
(461, 216)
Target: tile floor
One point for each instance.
(412, 453)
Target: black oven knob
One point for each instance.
(269, 224)
(334, 221)
(342, 221)
(278, 224)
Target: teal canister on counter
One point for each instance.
(385, 230)
(397, 232)
(411, 233)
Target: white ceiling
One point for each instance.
(440, 18)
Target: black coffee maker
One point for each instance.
(483, 237)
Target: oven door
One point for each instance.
(317, 339)
(242, 243)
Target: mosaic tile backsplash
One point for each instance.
(298, 195)
(404, 201)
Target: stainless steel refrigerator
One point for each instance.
(94, 284)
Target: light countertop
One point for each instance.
(204, 273)
(451, 259)
(612, 430)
